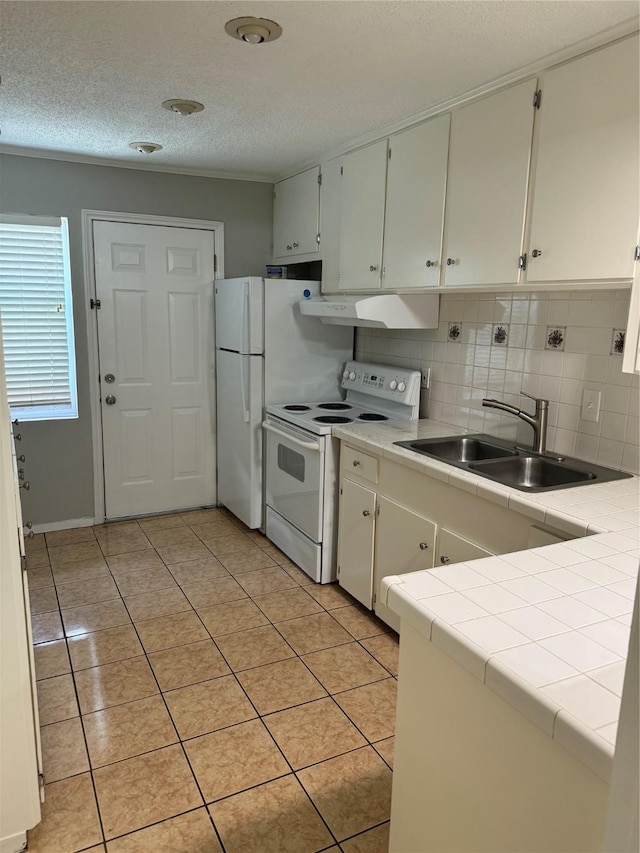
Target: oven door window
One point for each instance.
(294, 484)
(291, 462)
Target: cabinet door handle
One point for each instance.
(372, 268)
(432, 263)
(445, 560)
(26, 485)
(295, 245)
(424, 546)
(289, 248)
(356, 462)
(450, 262)
(366, 512)
(536, 253)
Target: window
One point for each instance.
(37, 317)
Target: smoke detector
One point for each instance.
(253, 30)
(145, 147)
(183, 108)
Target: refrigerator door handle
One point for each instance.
(245, 343)
(308, 445)
(246, 413)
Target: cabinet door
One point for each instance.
(330, 200)
(296, 205)
(455, 549)
(362, 198)
(416, 180)
(405, 541)
(585, 194)
(355, 541)
(489, 160)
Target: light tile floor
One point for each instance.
(199, 693)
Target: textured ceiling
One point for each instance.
(83, 79)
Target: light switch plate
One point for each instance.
(591, 405)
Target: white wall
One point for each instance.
(473, 367)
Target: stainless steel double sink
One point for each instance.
(497, 460)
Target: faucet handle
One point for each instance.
(539, 401)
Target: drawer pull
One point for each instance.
(424, 546)
(366, 512)
(356, 462)
(445, 560)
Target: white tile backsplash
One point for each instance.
(474, 367)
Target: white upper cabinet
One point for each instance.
(416, 182)
(584, 222)
(330, 191)
(489, 160)
(362, 201)
(296, 206)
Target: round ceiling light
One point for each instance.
(145, 147)
(253, 30)
(183, 108)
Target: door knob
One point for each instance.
(366, 512)
(109, 399)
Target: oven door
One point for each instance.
(294, 476)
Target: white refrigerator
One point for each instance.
(266, 352)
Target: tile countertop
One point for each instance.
(548, 628)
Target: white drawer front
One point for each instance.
(355, 462)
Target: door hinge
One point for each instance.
(274, 194)
(342, 170)
(320, 178)
(41, 781)
(637, 254)
(95, 303)
(23, 562)
(389, 155)
(338, 572)
(537, 99)
(318, 238)
(375, 597)
(522, 262)
(337, 276)
(215, 262)
(378, 510)
(340, 489)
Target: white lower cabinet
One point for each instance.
(456, 549)
(355, 541)
(394, 520)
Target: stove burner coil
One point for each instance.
(296, 408)
(336, 407)
(372, 416)
(332, 419)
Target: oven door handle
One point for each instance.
(308, 445)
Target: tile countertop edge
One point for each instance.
(581, 742)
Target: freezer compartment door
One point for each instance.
(239, 435)
(238, 307)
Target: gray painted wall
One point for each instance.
(59, 453)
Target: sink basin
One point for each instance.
(532, 473)
(462, 448)
(498, 460)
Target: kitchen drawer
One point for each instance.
(354, 462)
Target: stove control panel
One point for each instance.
(382, 381)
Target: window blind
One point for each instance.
(37, 317)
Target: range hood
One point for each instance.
(381, 311)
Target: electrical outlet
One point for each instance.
(425, 377)
(591, 405)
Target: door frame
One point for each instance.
(88, 218)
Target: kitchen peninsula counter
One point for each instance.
(545, 629)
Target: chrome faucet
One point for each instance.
(538, 420)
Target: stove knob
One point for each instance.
(352, 375)
(345, 375)
(402, 386)
(393, 385)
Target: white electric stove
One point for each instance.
(302, 459)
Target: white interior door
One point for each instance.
(156, 343)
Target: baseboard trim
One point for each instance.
(63, 525)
